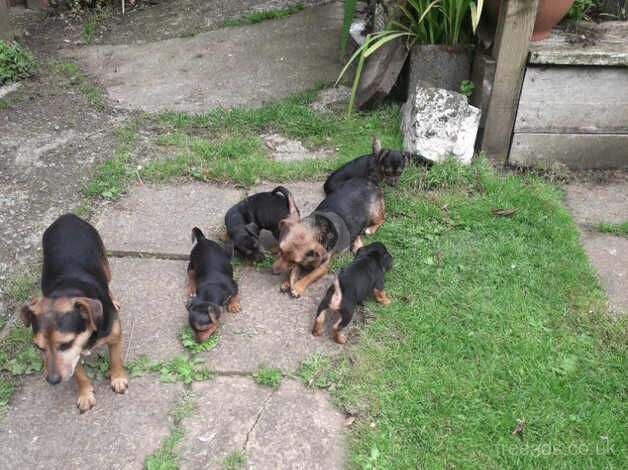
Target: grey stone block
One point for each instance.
(44, 430)
(159, 219)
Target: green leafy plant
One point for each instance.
(268, 376)
(95, 22)
(186, 336)
(235, 460)
(184, 369)
(466, 87)
(140, 364)
(580, 9)
(98, 367)
(435, 22)
(16, 62)
(318, 371)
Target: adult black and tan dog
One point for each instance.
(211, 286)
(353, 284)
(77, 311)
(336, 224)
(247, 218)
(381, 165)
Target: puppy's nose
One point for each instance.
(53, 378)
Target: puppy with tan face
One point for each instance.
(335, 225)
(77, 311)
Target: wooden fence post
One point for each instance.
(510, 51)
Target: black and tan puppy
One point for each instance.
(77, 311)
(353, 284)
(211, 286)
(382, 165)
(247, 218)
(335, 225)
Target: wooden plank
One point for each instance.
(592, 44)
(510, 51)
(574, 100)
(578, 151)
(482, 76)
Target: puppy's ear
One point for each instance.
(377, 146)
(287, 222)
(387, 261)
(91, 310)
(360, 252)
(252, 229)
(26, 312)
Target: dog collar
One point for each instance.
(337, 239)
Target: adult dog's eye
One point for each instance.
(310, 254)
(38, 347)
(65, 346)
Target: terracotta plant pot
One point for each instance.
(548, 14)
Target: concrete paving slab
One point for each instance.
(152, 295)
(594, 203)
(271, 328)
(609, 256)
(298, 429)
(44, 430)
(227, 408)
(159, 219)
(284, 149)
(241, 66)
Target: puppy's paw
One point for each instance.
(340, 338)
(368, 231)
(119, 384)
(233, 306)
(296, 292)
(86, 401)
(285, 287)
(385, 301)
(317, 331)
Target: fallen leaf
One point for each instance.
(504, 211)
(349, 420)
(520, 428)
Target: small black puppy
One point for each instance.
(382, 164)
(247, 218)
(352, 285)
(211, 286)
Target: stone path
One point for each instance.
(591, 203)
(243, 66)
(291, 427)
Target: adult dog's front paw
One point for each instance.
(86, 401)
(119, 384)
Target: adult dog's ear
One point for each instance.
(27, 311)
(91, 310)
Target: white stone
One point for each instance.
(436, 123)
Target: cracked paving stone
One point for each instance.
(227, 408)
(292, 427)
(159, 219)
(44, 430)
(271, 328)
(298, 429)
(152, 295)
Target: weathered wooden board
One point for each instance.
(510, 51)
(482, 76)
(577, 151)
(574, 100)
(592, 44)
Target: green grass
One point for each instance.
(259, 16)
(72, 76)
(493, 319)
(95, 23)
(167, 457)
(615, 229)
(235, 460)
(268, 376)
(16, 62)
(318, 371)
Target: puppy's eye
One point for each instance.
(38, 347)
(65, 346)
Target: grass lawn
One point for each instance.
(494, 318)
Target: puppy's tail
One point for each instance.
(292, 205)
(197, 235)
